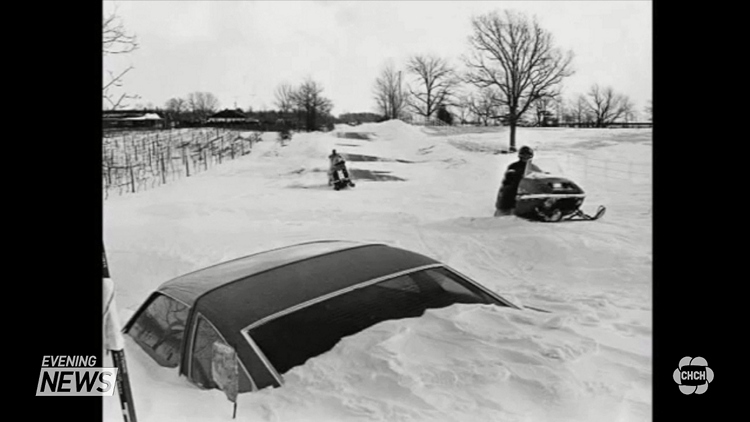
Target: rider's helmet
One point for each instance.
(525, 153)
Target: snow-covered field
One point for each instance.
(588, 360)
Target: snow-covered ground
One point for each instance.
(588, 360)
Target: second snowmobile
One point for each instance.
(543, 197)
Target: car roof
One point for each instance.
(238, 293)
(189, 287)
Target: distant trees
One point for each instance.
(486, 104)
(284, 97)
(444, 115)
(462, 106)
(175, 108)
(544, 111)
(517, 57)
(389, 93)
(607, 106)
(649, 110)
(115, 40)
(435, 84)
(364, 117)
(309, 100)
(202, 104)
(580, 111)
(196, 107)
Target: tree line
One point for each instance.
(512, 74)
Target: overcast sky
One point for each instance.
(242, 50)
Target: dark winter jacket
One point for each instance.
(506, 197)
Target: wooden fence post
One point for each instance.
(187, 161)
(132, 176)
(163, 170)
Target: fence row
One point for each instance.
(608, 169)
(138, 161)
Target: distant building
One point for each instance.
(132, 119)
(231, 117)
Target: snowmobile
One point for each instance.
(542, 197)
(338, 176)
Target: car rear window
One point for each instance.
(290, 340)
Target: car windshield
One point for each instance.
(290, 340)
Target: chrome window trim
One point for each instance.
(174, 298)
(263, 358)
(331, 295)
(482, 288)
(198, 317)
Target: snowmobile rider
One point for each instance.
(337, 162)
(506, 196)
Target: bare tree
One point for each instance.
(309, 100)
(436, 82)
(607, 106)
(115, 40)
(516, 56)
(284, 97)
(389, 94)
(202, 104)
(649, 110)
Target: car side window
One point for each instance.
(159, 329)
(205, 336)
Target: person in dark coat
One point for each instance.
(506, 196)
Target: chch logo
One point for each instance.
(693, 375)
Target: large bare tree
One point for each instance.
(309, 100)
(435, 84)
(607, 106)
(389, 93)
(517, 56)
(115, 41)
(284, 97)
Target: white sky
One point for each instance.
(242, 50)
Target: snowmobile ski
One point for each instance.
(576, 216)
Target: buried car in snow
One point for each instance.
(279, 308)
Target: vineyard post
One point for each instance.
(221, 149)
(163, 169)
(186, 159)
(132, 176)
